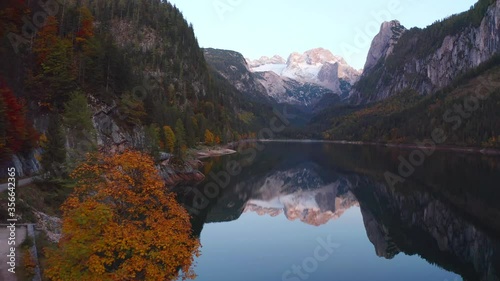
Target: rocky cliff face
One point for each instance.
(233, 67)
(289, 91)
(383, 43)
(395, 65)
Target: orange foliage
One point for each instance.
(121, 224)
(45, 40)
(86, 30)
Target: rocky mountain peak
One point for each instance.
(321, 67)
(315, 57)
(304, 78)
(384, 42)
(276, 59)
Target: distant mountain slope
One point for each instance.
(420, 80)
(233, 67)
(269, 87)
(466, 113)
(317, 66)
(289, 91)
(137, 66)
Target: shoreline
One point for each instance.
(209, 152)
(477, 150)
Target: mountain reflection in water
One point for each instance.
(447, 212)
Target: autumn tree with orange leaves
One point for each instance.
(121, 224)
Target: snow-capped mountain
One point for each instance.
(309, 81)
(275, 60)
(290, 91)
(317, 66)
(305, 79)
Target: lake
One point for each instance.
(322, 211)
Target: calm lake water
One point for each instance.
(318, 212)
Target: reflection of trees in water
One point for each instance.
(447, 212)
(418, 222)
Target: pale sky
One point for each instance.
(258, 28)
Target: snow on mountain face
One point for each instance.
(289, 91)
(308, 66)
(317, 66)
(266, 60)
(276, 68)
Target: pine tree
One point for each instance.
(152, 133)
(170, 140)
(81, 134)
(54, 155)
(180, 134)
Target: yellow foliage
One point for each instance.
(121, 224)
(209, 137)
(169, 138)
(29, 262)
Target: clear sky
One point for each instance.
(258, 28)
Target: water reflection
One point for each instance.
(300, 193)
(447, 212)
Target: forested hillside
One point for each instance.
(138, 62)
(444, 77)
(431, 58)
(466, 111)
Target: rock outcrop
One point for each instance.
(319, 66)
(233, 67)
(392, 67)
(383, 43)
(305, 80)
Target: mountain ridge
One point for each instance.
(427, 60)
(317, 66)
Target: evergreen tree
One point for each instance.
(180, 134)
(152, 133)
(54, 155)
(81, 134)
(190, 131)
